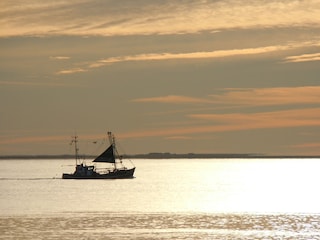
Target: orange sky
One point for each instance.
(202, 76)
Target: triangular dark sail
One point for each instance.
(106, 156)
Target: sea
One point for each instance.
(167, 199)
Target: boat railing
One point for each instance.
(103, 170)
(108, 170)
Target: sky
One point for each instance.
(179, 76)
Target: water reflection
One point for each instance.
(161, 226)
(197, 185)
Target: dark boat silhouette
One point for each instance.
(110, 155)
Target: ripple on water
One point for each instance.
(160, 226)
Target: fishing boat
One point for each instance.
(109, 156)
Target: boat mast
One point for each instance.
(76, 149)
(112, 142)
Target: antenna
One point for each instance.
(113, 143)
(111, 138)
(76, 149)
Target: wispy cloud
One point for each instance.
(33, 139)
(35, 84)
(238, 122)
(309, 148)
(45, 139)
(210, 123)
(179, 138)
(248, 97)
(303, 58)
(308, 145)
(189, 55)
(94, 17)
(301, 113)
(268, 96)
(59, 58)
(193, 56)
(172, 99)
(71, 71)
(276, 119)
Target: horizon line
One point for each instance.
(161, 155)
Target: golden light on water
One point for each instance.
(275, 186)
(261, 186)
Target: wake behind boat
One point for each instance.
(110, 155)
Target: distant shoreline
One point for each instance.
(162, 156)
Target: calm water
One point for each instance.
(168, 199)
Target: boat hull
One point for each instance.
(117, 174)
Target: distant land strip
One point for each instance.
(163, 156)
